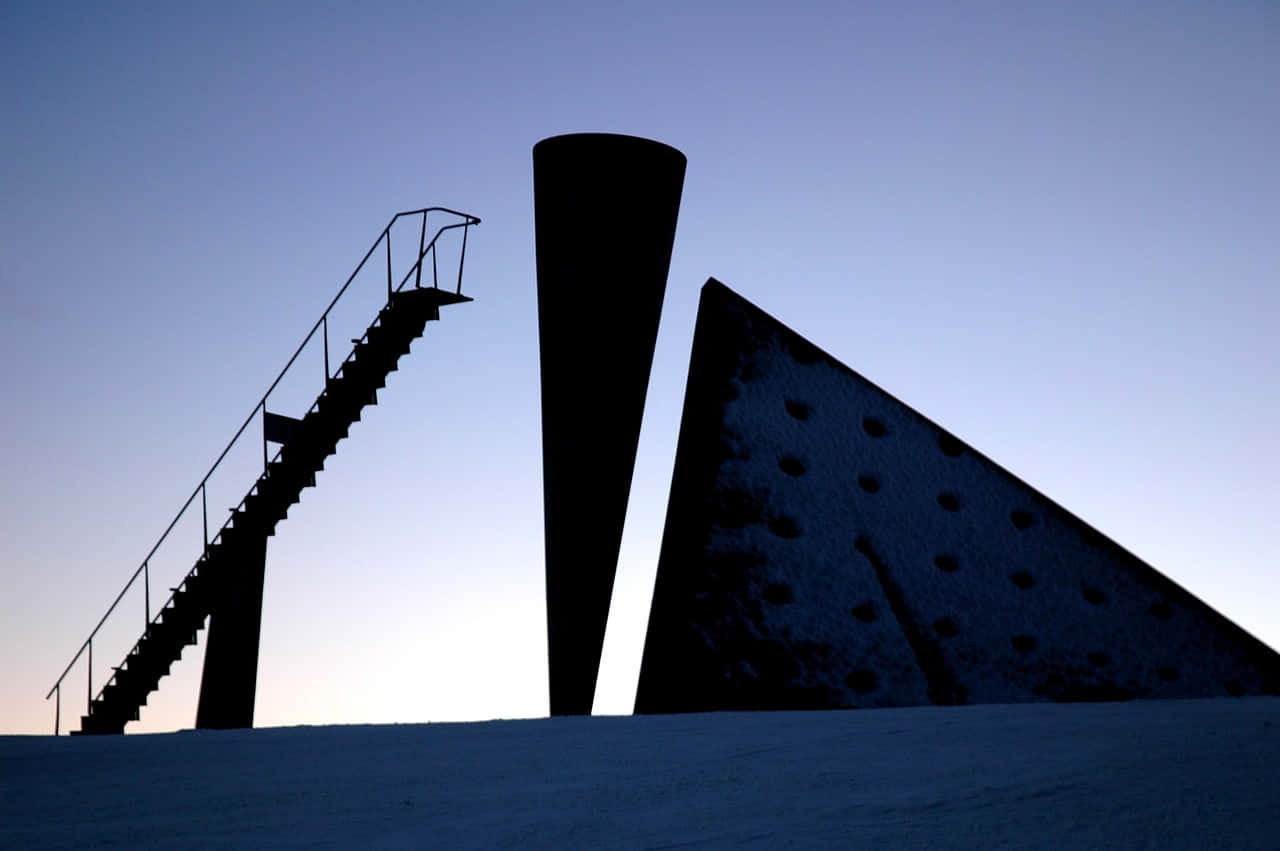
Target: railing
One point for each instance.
(463, 221)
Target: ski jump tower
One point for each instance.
(224, 587)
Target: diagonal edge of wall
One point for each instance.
(828, 546)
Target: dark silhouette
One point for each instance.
(605, 211)
(226, 584)
(229, 682)
(827, 546)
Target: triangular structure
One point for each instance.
(827, 546)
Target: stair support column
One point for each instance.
(228, 685)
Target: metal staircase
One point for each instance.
(304, 445)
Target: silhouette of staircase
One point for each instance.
(305, 444)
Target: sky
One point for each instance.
(1051, 230)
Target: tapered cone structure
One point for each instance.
(605, 210)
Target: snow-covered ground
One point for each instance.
(1160, 774)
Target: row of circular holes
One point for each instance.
(950, 446)
(794, 467)
(946, 628)
(874, 427)
(786, 527)
(1021, 518)
(865, 681)
(1024, 579)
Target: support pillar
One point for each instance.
(229, 683)
(605, 209)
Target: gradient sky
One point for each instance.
(1053, 231)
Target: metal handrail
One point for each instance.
(314, 405)
(415, 271)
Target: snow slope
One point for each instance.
(1161, 774)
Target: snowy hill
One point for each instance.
(1163, 774)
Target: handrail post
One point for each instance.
(388, 233)
(57, 710)
(204, 512)
(146, 581)
(265, 462)
(435, 271)
(422, 241)
(89, 698)
(462, 255)
(325, 322)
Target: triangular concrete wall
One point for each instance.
(828, 546)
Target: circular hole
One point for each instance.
(798, 409)
(1096, 596)
(874, 427)
(865, 612)
(949, 501)
(1023, 643)
(1022, 579)
(1022, 519)
(784, 526)
(791, 465)
(869, 483)
(1099, 658)
(946, 627)
(862, 681)
(946, 563)
(950, 447)
(1161, 609)
(1169, 675)
(778, 593)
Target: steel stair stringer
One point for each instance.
(280, 486)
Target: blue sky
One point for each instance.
(1051, 230)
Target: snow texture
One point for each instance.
(828, 546)
(1161, 774)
